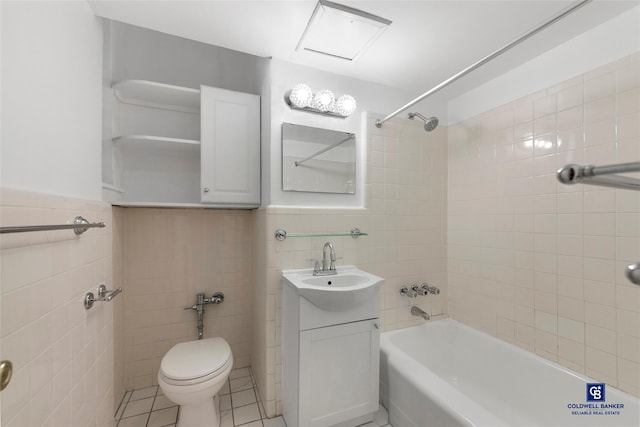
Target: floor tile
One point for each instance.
(225, 402)
(239, 373)
(143, 393)
(246, 414)
(163, 417)
(274, 422)
(240, 384)
(248, 411)
(225, 389)
(138, 407)
(162, 402)
(381, 417)
(226, 419)
(137, 421)
(241, 398)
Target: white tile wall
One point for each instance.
(538, 263)
(169, 256)
(405, 219)
(62, 354)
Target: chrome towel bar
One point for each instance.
(104, 295)
(282, 234)
(79, 226)
(605, 176)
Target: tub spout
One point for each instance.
(417, 311)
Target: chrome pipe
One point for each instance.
(555, 18)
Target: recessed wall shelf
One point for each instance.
(153, 140)
(158, 95)
(182, 147)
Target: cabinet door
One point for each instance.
(230, 147)
(339, 373)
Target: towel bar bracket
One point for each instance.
(104, 295)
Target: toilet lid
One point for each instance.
(194, 359)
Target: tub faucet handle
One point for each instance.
(408, 292)
(420, 289)
(426, 288)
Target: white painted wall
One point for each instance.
(370, 97)
(603, 44)
(51, 98)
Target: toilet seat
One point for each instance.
(195, 362)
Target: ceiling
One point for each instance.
(427, 42)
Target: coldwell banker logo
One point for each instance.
(595, 392)
(595, 405)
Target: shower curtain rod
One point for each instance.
(552, 20)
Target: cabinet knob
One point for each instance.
(205, 189)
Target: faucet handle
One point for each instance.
(217, 298)
(316, 266)
(408, 292)
(430, 289)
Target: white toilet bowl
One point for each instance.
(191, 374)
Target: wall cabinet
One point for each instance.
(176, 146)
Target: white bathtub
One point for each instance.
(444, 373)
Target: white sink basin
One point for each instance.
(350, 287)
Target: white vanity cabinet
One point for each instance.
(338, 373)
(330, 363)
(183, 147)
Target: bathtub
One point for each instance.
(444, 373)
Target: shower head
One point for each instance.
(429, 123)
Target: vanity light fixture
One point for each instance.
(301, 97)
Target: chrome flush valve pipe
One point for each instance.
(201, 301)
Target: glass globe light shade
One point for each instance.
(324, 100)
(301, 96)
(346, 105)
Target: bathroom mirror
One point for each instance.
(318, 160)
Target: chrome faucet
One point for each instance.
(328, 266)
(417, 311)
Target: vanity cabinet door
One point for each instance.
(230, 148)
(339, 373)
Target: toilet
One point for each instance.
(191, 374)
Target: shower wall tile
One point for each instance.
(62, 354)
(569, 245)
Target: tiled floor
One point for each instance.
(239, 406)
